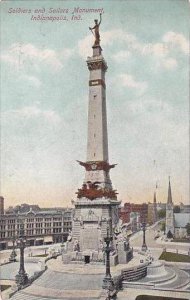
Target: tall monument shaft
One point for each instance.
(97, 146)
(97, 165)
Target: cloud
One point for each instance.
(31, 112)
(107, 39)
(157, 49)
(84, 46)
(20, 55)
(129, 81)
(150, 105)
(66, 53)
(121, 55)
(32, 80)
(174, 39)
(170, 63)
(161, 51)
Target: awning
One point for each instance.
(48, 239)
(39, 239)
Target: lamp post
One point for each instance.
(108, 283)
(144, 246)
(13, 255)
(22, 277)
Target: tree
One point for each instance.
(169, 235)
(163, 226)
(162, 214)
(188, 228)
(176, 209)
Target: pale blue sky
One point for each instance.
(44, 91)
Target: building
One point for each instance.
(181, 220)
(176, 222)
(23, 208)
(40, 227)
(128, 208)
(169, 214)
(184, 208)
(152, 211)
(1, 205)
(135, 221)
(161, 206)
(96, 206)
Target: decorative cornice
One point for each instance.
(97, 64)
(93, 192)
(96, 165)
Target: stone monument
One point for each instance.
(96, 204)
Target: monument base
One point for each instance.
(88, 257)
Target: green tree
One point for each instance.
(188, 228)
(163, 226)
(161, 213)
(169, 235)
(176, 209)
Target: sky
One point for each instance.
(44, 98)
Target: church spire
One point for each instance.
(169, 193)
(155, 197)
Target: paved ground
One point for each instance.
(29, 251)
(79, 282)
(83, 282)
(127, 294)
(9, 271)
(136, 241)
(57, 266)
(131, 294)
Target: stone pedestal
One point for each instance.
(90, 222)
(125, 253)
(21, 278)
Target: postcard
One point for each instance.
(95, 150)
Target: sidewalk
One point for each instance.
(162, 242)
(131, 294)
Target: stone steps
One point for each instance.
(181, 281)
(66, 281)
(171, 274)
(133, 274)
(23, 296)
(175, 279)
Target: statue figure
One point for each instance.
(120, 232)
(76, 246)
(96, 31)
(69, 238)
(101, 245)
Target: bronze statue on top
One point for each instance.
(96, 31)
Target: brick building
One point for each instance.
(128, 208)
(41, 227)
(1, 205)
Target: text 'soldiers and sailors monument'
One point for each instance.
(96, 206)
